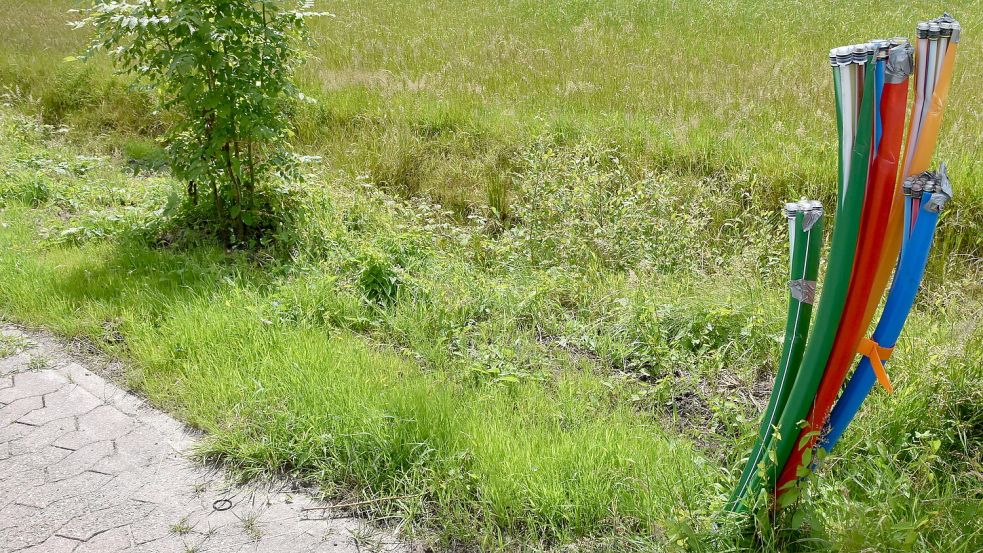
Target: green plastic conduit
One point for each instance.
(805, 220)
(836, 281)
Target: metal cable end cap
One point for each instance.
(791, 208)
(844, 55)
(860, 54)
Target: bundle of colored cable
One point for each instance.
(941, 37)
(937, 43)
(877, 218)
(836, 283)
(851, 80)
(805, 220)
(873, 228)
(922, 138)
(936, 193)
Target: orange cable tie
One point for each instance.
(877, 355)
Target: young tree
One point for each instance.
(224, 68)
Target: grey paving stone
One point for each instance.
(27, 384)
(15, 410)
(34, 438)
(15, 536)
(91, 382)
(66, 402)
(87, 525)
(116, 539)
(44, 524)
(106, 423)
(83, 484)
(164, 545)
(15, 363)
(18, 468)
(11, 393)
(87, 467)
(54, 544)
(12, 431)
(79, 461)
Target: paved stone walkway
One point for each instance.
(88, 467)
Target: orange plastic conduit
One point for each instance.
(924, 150)
(933, 120)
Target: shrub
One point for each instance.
(225, 69)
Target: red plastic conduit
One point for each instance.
(873, 228)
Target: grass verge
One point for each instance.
(589, 379)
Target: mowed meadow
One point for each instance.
(535, 298)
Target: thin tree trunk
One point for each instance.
(237, 189)
(252, 168)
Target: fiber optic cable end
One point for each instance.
(860, 54)
(870, 50)
(883, 47)
(844, 55)
(899, 41)
(917, 186)
(921, 30)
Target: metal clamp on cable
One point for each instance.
(941, 193)
(812, 212)
(803, 290)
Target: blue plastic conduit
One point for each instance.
(899, 302)
(882, 47)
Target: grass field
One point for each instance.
(434, 98)
(579, 368)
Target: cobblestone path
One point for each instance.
(87, 467)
